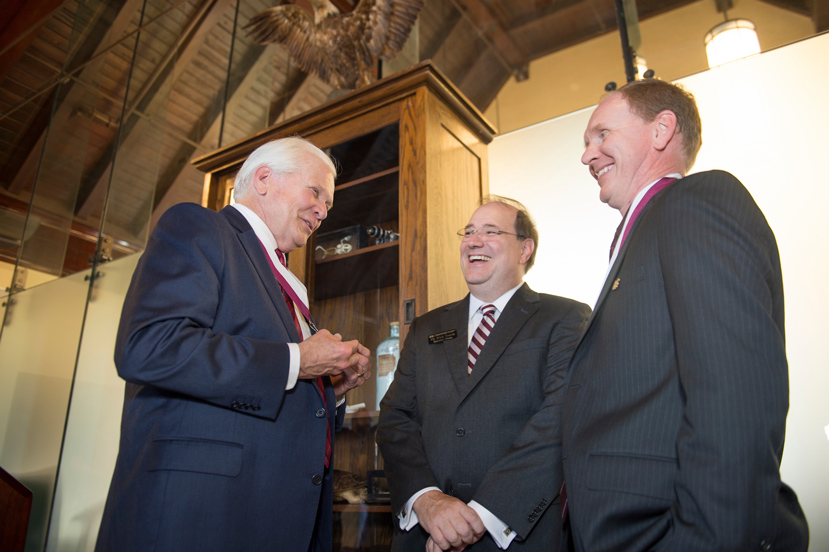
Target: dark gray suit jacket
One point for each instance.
(214, 453)
(675, 409)
(493, 436)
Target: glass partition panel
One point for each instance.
(92, 428)
(37, 360)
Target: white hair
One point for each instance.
(282, 156)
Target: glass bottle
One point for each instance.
(388, 353)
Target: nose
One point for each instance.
(321, 210)
(590, 154)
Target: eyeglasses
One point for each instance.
(485, 233)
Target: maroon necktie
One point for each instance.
(655, 189)
(287, 292)
(479, 338)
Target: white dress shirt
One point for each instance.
(266, 237)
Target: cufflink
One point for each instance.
(507, 531)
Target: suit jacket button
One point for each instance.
(257, 408)
(765, 545)
(460, 432)
(234, 404)
(321, 413)
(317, 479)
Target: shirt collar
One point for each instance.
(632, 208)
(266, 237)
(500, 303)
(259, 227)
(643, 191)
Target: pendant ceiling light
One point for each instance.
(731, 40)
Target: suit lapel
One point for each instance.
(456, 316)
(253, 248)
(522, 305)
(608, 284)
(617, 266)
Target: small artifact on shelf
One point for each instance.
(381, 235)
(349, 487)
(339, 242)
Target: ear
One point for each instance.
(527, 248)
(664, 129)
(260, 179)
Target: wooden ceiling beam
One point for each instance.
(19, 22)
(532, 18)
(483, 80)
(800, 7)
(280, 103)
(493, 34)
(448, 26)
(58, 104)
(820, 15)
(255, 63)
(148, 100)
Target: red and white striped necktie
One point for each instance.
(290, 302)
(479, 338)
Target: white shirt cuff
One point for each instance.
(497, 529)
(406, 516)
(293, 366)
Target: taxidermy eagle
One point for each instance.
(339, 48)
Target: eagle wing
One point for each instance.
(294, 28)
(388, 24)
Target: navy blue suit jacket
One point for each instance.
(215, 454)
(675, 408)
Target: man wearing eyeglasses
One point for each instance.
(470, 429)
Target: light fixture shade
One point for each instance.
(641, 67)
(731, 40)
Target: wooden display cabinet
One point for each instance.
(412, 153)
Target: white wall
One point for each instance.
(672, 44)
(764, 120)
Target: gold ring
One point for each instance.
(360, 374)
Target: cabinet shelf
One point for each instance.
(365, 201)
(368, 268)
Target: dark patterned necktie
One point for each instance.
(479, 338)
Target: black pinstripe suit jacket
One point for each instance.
(493, 436)
(675, 409)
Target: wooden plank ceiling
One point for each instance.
(69, 62)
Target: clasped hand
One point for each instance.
(346, 362)
(451, 524)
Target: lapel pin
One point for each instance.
(440, 337)
(615, 285)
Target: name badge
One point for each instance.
(442, 336)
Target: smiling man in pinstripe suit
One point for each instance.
(675, 408)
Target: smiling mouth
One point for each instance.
(478, 258)
(603, 171)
